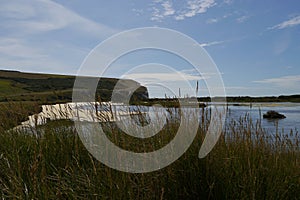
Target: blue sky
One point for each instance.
(255, 44)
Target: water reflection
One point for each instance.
(107, 112)
(255, 112)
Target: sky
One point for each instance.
(254, 44)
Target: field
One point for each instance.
(246, 163)
(52, 88)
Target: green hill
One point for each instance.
(52, 88)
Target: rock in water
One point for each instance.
(273, 115)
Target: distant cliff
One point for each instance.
(52, 88)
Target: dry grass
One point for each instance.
(246, 163)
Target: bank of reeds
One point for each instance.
(246, 163)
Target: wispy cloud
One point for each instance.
(212, 20)
(211, 43)
(41, 16)
(167, 5)
(162, 77)
(238, 16)
(196, 73)
(195, 7)
(165, 10)
(190, 8)
(284, 81)
(228, 2)
(243, 18)
(39, 35)
(160, 84)
(20, 54)
(138, 12)
(13, 47)
(286, 24)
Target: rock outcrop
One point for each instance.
(273, 115)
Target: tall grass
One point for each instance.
(246, 163)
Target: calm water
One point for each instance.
(255, 112)
(290, 110)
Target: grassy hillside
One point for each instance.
(50, 88)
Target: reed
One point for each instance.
(246, 163)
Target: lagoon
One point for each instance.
(113, 112)
(256, 110)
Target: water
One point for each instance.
(290, 110)
(253, 111)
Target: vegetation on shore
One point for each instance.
(246, 163)
(248, 99)
(241, 99)
(52, 88)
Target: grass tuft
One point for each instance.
(246, 163)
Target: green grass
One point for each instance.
(50, 88)
(246, 163)
(7, 88)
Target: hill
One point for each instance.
(53, 88)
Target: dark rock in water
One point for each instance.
(273, 115)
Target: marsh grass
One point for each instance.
(246, 163)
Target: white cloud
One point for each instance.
(166, 10)
(288, 82)
(42, 35)
(286, 24)
(195, 7)
(227, 15)
(203, 76)
(18, 54)
(212, 21)
(161, 83)
(13, 47)
(179, 17)
(138, 12)
(156, 16)
(242, 19)
(190, 8)
(228, 2)
(211, 43)
(167, 5)
(37, 16)
(163, 77)
(192, 71)
(14, 10)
